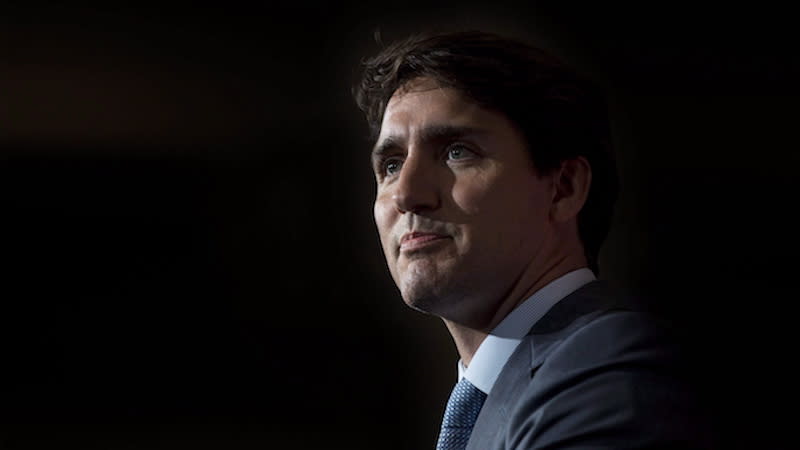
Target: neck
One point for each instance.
(467, 339)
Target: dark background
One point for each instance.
(187, 252)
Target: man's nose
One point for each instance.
(416, 189)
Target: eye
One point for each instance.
(458, 152)
(391, 166)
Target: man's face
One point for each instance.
(460, 209)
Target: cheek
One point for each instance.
(471, 192)
(481, 205)
(502, 210)
(384, 219)
(489, 194)
(526, 214)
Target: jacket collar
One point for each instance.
(572, 311)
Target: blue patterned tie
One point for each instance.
(462, 410)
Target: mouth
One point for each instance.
(419, 240)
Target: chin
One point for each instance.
(425, 305)
(428, 285)
(427, 298)
(422, 306)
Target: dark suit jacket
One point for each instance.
(593, 373)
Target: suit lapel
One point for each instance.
(586, 302)
(494, 412)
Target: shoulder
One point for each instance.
(598, 323)
(613, 379)
(608, 337)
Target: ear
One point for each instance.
(571, 182)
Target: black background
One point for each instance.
(187, 249)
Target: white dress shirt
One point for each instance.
(494, 351)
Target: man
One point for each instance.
(495, 191)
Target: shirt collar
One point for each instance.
(494, 351)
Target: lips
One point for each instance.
(416, 240)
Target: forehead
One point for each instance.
(423, 109)
(422, 102)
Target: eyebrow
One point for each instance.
(428, 134)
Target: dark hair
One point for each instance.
(561, 114)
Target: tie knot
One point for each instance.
(460, 415)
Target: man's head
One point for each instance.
(493, 165)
